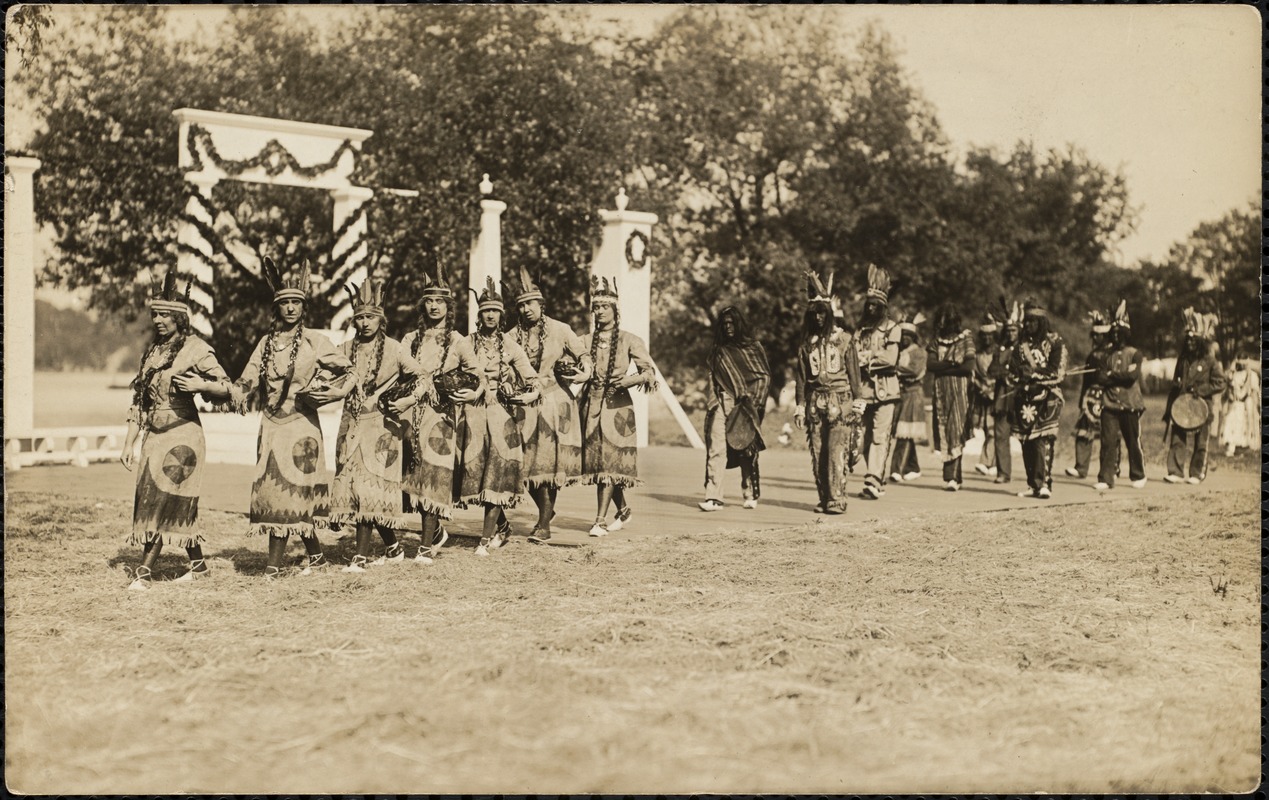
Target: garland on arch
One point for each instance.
(274, 158)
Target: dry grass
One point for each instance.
(1077, 652)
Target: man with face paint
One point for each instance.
(1037, 367)
(739, 379)
(367, 488)
(828, 389)
(1198, 374)
(877, 350)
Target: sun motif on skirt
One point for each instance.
(1029, 413)
(179, 463)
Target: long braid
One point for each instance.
(612, 351)
(366, 387)
(594, 355)
(290, 370)
(525, 340)
(141, 383)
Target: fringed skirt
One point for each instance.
(169, 480)
(910, 419)
(430, 456)
(951, 416)
(610, 449)
(291, 492)
(367, 485)
(552, 439)
(492, 466)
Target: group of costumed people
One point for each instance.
(430, 423)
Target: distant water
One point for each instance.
(65, 399)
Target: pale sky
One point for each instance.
(1170, 94)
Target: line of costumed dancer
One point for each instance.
(439, 421)
(430, 423)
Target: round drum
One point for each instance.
(1189, 412)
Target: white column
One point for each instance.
(19, 296)
(486, 253)
(634, 282)
(190, 265)
(347, 201)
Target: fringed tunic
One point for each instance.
(1037, 399)
(951, 397)
(551, 429)
(492, 467)
(431, 451)
(173, 451)
(609, 436)
(368, 452)
(291, 490)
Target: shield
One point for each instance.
(742, 428)
(1092, 406)
(1189, 412)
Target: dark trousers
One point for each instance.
(905, 457)
(1125, 424)
(1004, 458)
(1037, 457)
(1180, 444)
(952, 470)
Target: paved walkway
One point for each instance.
(667, 502)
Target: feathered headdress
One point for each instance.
(1201, 325)
(164, 295)
(437, 287)
(367, 298)
(1033, 308)
(601, 291)
(816, 290)
(1098, 321)
(1121, 316)
(989, 324)
(286, 287)
(528, 290)
(1010, 314)
(490, 297)
(878, 283)
(909, 322)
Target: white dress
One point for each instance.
(1242, 410)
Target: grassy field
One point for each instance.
(1006, 652)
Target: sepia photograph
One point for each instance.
(632, 399)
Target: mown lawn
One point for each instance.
(1080, 651)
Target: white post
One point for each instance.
(347, 201)
(629, 232)
(19, 296)
(190, 265)
(486, 249)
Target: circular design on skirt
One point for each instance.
(619, 426)
(179, 463)
(511, 434)
(304, 454)
(386, 449)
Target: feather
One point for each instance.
(918, 319)
(353, 290)
(270, 271)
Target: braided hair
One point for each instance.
(367, 385)
(141, 383)
(523, 339)
(447, 327)
(612, 353)
(267, 364)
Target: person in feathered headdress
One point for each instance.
(552, 437)
(1119, 375)
(982, 392)
(909, 425)
(609, 434)
(739, 380)
(367, 488)
(951, 362)
(175, 367)
(1037, 367)
(828, 394)
(291, 373)
(1088, 427)
(1198, 374)
(877, 347)
(491, 471)
(430, 448)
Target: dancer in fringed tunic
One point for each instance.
(828, 401)
(909, 424)
(367, 488)
(609, 435)
(1198, 373)
(290, 374)
(1002, 395)
(982, 394)
(739, 380)
(1242, 409)
(1122, 405)
(1088, 426)
(491, 471)
(175, 368)
(1036, 369)
(431, 442)
(551, 428)
(877, 342)
(951, 362)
